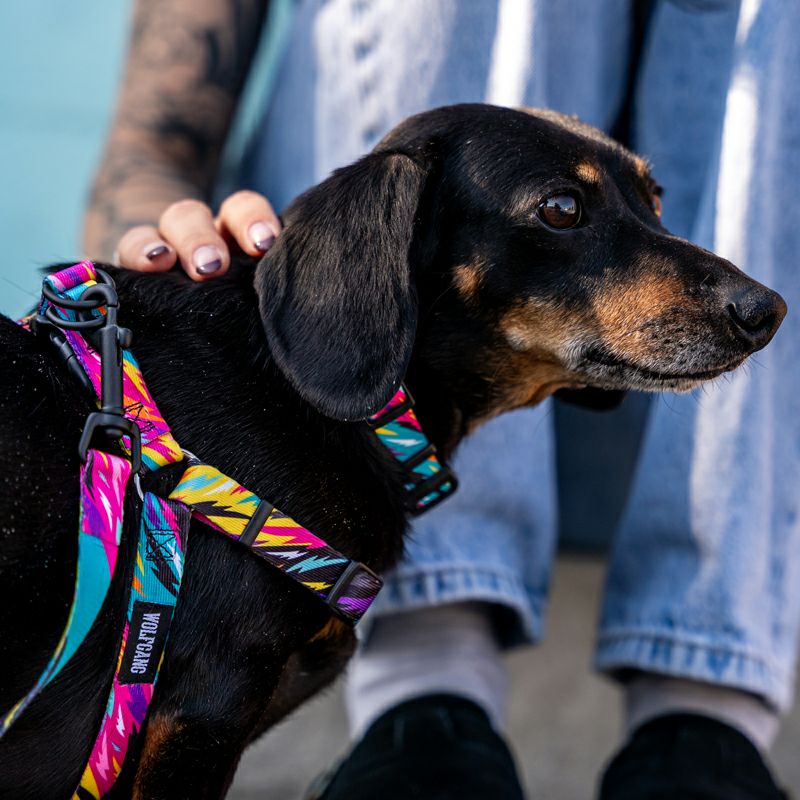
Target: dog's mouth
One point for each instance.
(627, 374)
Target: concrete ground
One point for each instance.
(564, 723)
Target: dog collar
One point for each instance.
(82, 300)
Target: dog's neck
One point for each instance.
(206, 360)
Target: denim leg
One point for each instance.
(494, 539)
(704, 580)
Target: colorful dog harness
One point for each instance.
(78, 313)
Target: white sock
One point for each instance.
(649, 696)
(449, 648)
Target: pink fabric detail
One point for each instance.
(139, 403)
(73, 276)
(102, 499)
(399, 398)
(410, 418)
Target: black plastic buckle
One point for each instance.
(112, 427)
(435, 484)
(354, 570)
(392, 413)
(422, 455)
(109, 339)
(43, 327)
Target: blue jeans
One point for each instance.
(704, 573)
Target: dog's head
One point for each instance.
(524, 253)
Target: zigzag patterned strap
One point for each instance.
(159, 447)
(398, 430)
(154, 592)
(103, 481)
(348, 587)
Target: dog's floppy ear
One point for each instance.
(336, 291)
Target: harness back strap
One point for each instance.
(347, 586)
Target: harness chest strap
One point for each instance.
(157, 575)
(102, 486)
(348, 587)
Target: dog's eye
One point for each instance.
(560, 211)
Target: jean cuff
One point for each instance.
(694, 658)
(519, 608)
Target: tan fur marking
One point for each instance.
(539, 326)
(642, 166)
(589, 173)
(332, 629)
(538, 334)
(622, 309)
(467, 280)
(160, 729)
(529, 381)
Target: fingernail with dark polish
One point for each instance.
(265, 244)
(262, 236)
(157, 251)
(211, 266)
(207, 259)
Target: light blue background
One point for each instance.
(60, 65)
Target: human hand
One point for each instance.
(188, 233)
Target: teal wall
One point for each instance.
(60, 64)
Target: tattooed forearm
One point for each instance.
(187, 62)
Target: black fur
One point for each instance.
(345, 346)
(429, 243)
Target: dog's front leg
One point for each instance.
(187, 758)
(195, 734)
(308, 671)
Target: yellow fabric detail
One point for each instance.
(317, 586)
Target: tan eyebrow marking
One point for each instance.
(588, 172)
(467, 279)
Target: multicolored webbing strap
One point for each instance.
(347, 586)
(103, 481)
(398, 430)
(154, 592)
(158, 569)
(159, 447)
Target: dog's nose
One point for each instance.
(757, 312)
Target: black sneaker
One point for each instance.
(688, 757)
(437, 747)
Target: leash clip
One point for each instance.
(109, 339)
(110, 420)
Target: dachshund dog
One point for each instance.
(490, 257)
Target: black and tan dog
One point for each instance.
(493, 256)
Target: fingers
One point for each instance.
(189, 227)
(142, 248)
(248, 218)
(188, 232)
